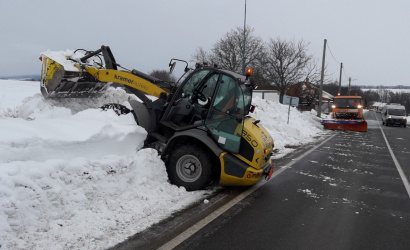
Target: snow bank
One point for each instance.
(83, 203)
(75, 177)
(303, 127)
(13, 92)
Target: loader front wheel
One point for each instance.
(190, 166)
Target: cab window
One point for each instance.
(193, 82)
(225, 120)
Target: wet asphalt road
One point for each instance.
(346, 194)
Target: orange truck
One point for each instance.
(346, 114)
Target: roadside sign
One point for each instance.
(290, 100)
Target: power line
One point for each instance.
(344, 72)
(332, 54)
(343, 69)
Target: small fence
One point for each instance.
(274, 95)
(271, 95)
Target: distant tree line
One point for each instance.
(388, 96)
(384, 87)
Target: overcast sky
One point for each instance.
(370, 37)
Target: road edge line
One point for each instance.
(208, 219)
(396, 162)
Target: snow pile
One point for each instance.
(61, 58)
(83, 203)
(75, 177)
(303, 127)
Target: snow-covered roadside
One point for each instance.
(303, 127)
(75, 177)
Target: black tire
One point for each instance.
(190, 166)
(383, 122)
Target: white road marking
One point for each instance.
(202, 223)
(396, 162)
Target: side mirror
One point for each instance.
(171, 67)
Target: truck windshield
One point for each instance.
(347, 102)
(399, 112)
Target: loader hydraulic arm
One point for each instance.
(134, 79)
(87, 77)
(126, 78)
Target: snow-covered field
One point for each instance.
(75, 177)
(392, 90)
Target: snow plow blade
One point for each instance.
(351, 125)
(62, 77)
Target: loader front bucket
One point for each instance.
(342, 124)
(61, 78)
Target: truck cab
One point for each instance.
(347, 107)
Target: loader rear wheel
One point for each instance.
(190, 166)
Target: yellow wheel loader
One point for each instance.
(201, 127)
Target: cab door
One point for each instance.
(226, 113)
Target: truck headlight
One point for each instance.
(333, 106)
(359, 106)
(389, 117)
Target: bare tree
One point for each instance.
(384, 95)
(163, 75)
(227, 53)
(201, 56)
(287, 63)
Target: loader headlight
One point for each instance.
(333, 106)
(359, 106)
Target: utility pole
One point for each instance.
(348, 92)
(319, 111)
(244, 38)
(340, 79)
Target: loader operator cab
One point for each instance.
(213, 99)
